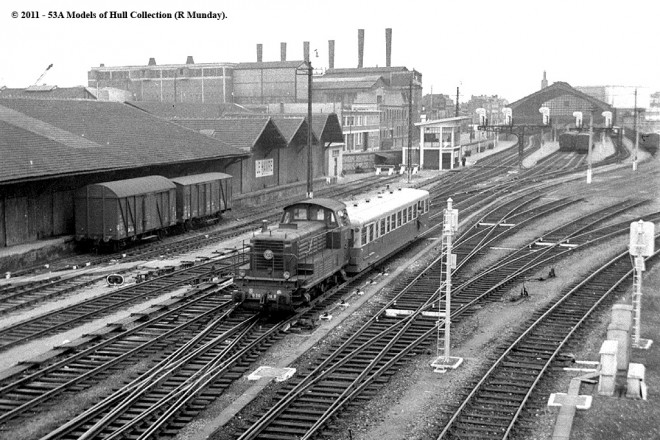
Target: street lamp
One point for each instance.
(308, 71)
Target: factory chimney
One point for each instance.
(388, 47)
(360, 48)
(260, 52)
(152, 61)
(282, 51)
(331, 54)
(189, 60)
(544, 82)
(306, 50)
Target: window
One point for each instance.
(364, 236)
(405, 216)
(382, 226)
(299, 213)
(410, 214)
(398, 219)
(371, 232)
(414, 211)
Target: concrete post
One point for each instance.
(608, 368)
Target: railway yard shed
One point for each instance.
(51, 148)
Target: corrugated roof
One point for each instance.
(139, 185)
(94, 136)
(200, 178)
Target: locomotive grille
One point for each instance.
(258, 249)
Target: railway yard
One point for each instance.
(170, 354)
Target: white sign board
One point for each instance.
(264, 167)
(642, 239)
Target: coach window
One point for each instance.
(398, 219)
(405, 216)
(426, 208)
(371, 232)
(410, 214)
(382, 226)
(363, 236)
(414, 211)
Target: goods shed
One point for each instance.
(51, 148)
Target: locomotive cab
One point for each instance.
(296, 260)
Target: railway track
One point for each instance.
(494, 407)
(71, 316)
(356, 367)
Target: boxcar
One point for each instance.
(567, 142)
(202, 196)
(582, 143)
(125, 209)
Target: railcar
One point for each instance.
(320, 241)
(202, 198)
(111, 214)
(122, 210)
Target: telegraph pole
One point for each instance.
(456, 102)
(310, 177)
(410, 127)
(636, 149)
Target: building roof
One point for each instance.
(186, 110)
(244, 133)
(326, 126)
(364, 71)
(343, 83)
(48, 92)
(555, 90)
(272, 65)
(199, 178)
(46, 138)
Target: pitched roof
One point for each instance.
(245, 133)
(558, 88)
(43, 138)
(341, 83)
(292, 127)
(48, 92)
(186, 110)
(325, 126)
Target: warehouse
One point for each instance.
(53, 147)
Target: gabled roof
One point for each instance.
(294, 129)
(44, 138)
(555, 90)
(48, 92)
(245, 133)
(326, 126)
(186, 110)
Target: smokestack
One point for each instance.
(282, 51)
(260, 52)
(360, 47)
(331, 54)
(388, 47)
(306, 50)
(152, 61)
(189, 60)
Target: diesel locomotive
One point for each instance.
(320, 242)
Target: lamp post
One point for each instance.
(308, 71)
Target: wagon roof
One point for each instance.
(200, 178)
(137, 186)
(331, 204)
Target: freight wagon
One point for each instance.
(111, 214)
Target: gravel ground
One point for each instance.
(411, 406)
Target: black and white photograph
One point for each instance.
(341, 220)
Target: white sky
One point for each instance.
(485, 46)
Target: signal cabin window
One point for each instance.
(382, 226)
(398, 219)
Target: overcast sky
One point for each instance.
(484, 46)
